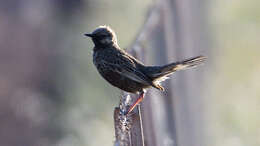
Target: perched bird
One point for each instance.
(126, 72)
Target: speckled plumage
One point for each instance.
(116, 66)
(124, 71)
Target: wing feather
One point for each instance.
(128, 70)
(127, 66)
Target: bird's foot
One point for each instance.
(123, 112)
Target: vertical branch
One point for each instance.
(129, 129)
(122, 124)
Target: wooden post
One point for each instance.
(129, 129)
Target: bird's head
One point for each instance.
(103, 36)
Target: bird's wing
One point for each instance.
(126, 67)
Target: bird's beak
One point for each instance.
(89, 35)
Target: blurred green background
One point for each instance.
(234, 88)
(51, 93)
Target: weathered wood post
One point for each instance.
(129, 129)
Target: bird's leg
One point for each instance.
(139, 99)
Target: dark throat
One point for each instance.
(99, 45)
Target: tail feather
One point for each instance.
(189, 63)
(160, 73)
(173, 67)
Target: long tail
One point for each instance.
(168, 69)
